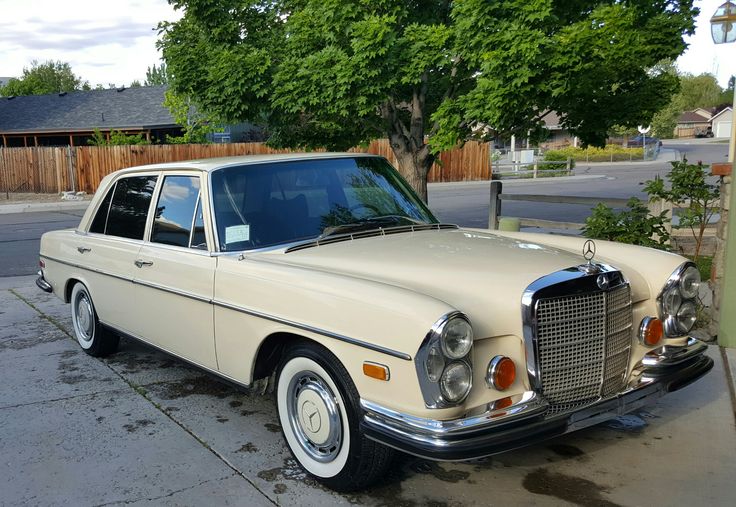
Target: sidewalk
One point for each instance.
(143, 428)
(28, 207)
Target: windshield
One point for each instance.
(282, 202)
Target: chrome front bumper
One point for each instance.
(527, 420)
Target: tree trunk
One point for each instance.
(414, 165)
(407, 141)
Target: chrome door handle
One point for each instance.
(83, 249)
(141, 263)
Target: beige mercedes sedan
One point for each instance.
(386, 329)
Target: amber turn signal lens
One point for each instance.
(377, 371)
(651, 331)
(501, 373)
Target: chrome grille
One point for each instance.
(583, 345)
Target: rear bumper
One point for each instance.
(528, 420)
(42, 284)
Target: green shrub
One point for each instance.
(634, 225)
(613, 152)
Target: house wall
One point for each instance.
(722, 124)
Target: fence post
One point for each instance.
(72, 170)
(568, 165)
(536, 168)
(494, 209)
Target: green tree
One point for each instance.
(44, 78)
(156, 76)
(135, 84)
(424, 73)
(689, 190)
(695, 91)
(195, 124)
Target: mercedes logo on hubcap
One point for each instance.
(310, 416)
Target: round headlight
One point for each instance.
(686, 316)
(671, 301)
(435, 363)
(456, 381)
(690, 283)
(457, 338)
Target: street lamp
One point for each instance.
(723, 30)
(723, 24)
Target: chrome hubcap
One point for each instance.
(314, 416)
(84, 318)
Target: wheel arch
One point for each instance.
(271, 350)
(69, 285)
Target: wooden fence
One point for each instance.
(55, 169)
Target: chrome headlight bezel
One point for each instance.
(673, 297)
(431, 371)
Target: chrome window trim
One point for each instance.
(109, 205)
(247, 311)
(194, 218)
(528, 309)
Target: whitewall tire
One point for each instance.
(318, 410)
(94, 339)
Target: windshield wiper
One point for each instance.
(367, 224)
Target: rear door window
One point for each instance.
(129, 207)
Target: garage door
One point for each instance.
(723, 129)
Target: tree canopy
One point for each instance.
(156, 76)
(701, 91)
(425, 73)
(43, 78)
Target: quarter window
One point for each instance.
(129, 207)
(175, 212)
(100, 220)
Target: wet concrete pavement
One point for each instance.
(143, 428)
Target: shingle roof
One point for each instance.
(139, 107)
(692, 117)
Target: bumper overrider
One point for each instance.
(42, 284)
(528, 419)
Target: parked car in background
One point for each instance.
(640, 140)
(704, 132)
(386, 329)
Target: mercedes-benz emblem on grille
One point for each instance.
(603, 282)
(589, 250)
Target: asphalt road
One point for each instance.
(465, 204)
(20, 235)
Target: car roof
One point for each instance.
(210, 164)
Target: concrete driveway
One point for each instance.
(142, 428)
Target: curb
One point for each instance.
(524, 181)
(29, 207)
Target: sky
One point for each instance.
(114, 41)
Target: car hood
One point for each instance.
(480, 273)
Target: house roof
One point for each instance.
(692, 117)
(552, 120)
(726, 110)
(122, 108)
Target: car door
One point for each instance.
(108, 249)
(174, 273)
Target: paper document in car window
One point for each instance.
(237, 233)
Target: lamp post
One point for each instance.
(723, 31)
